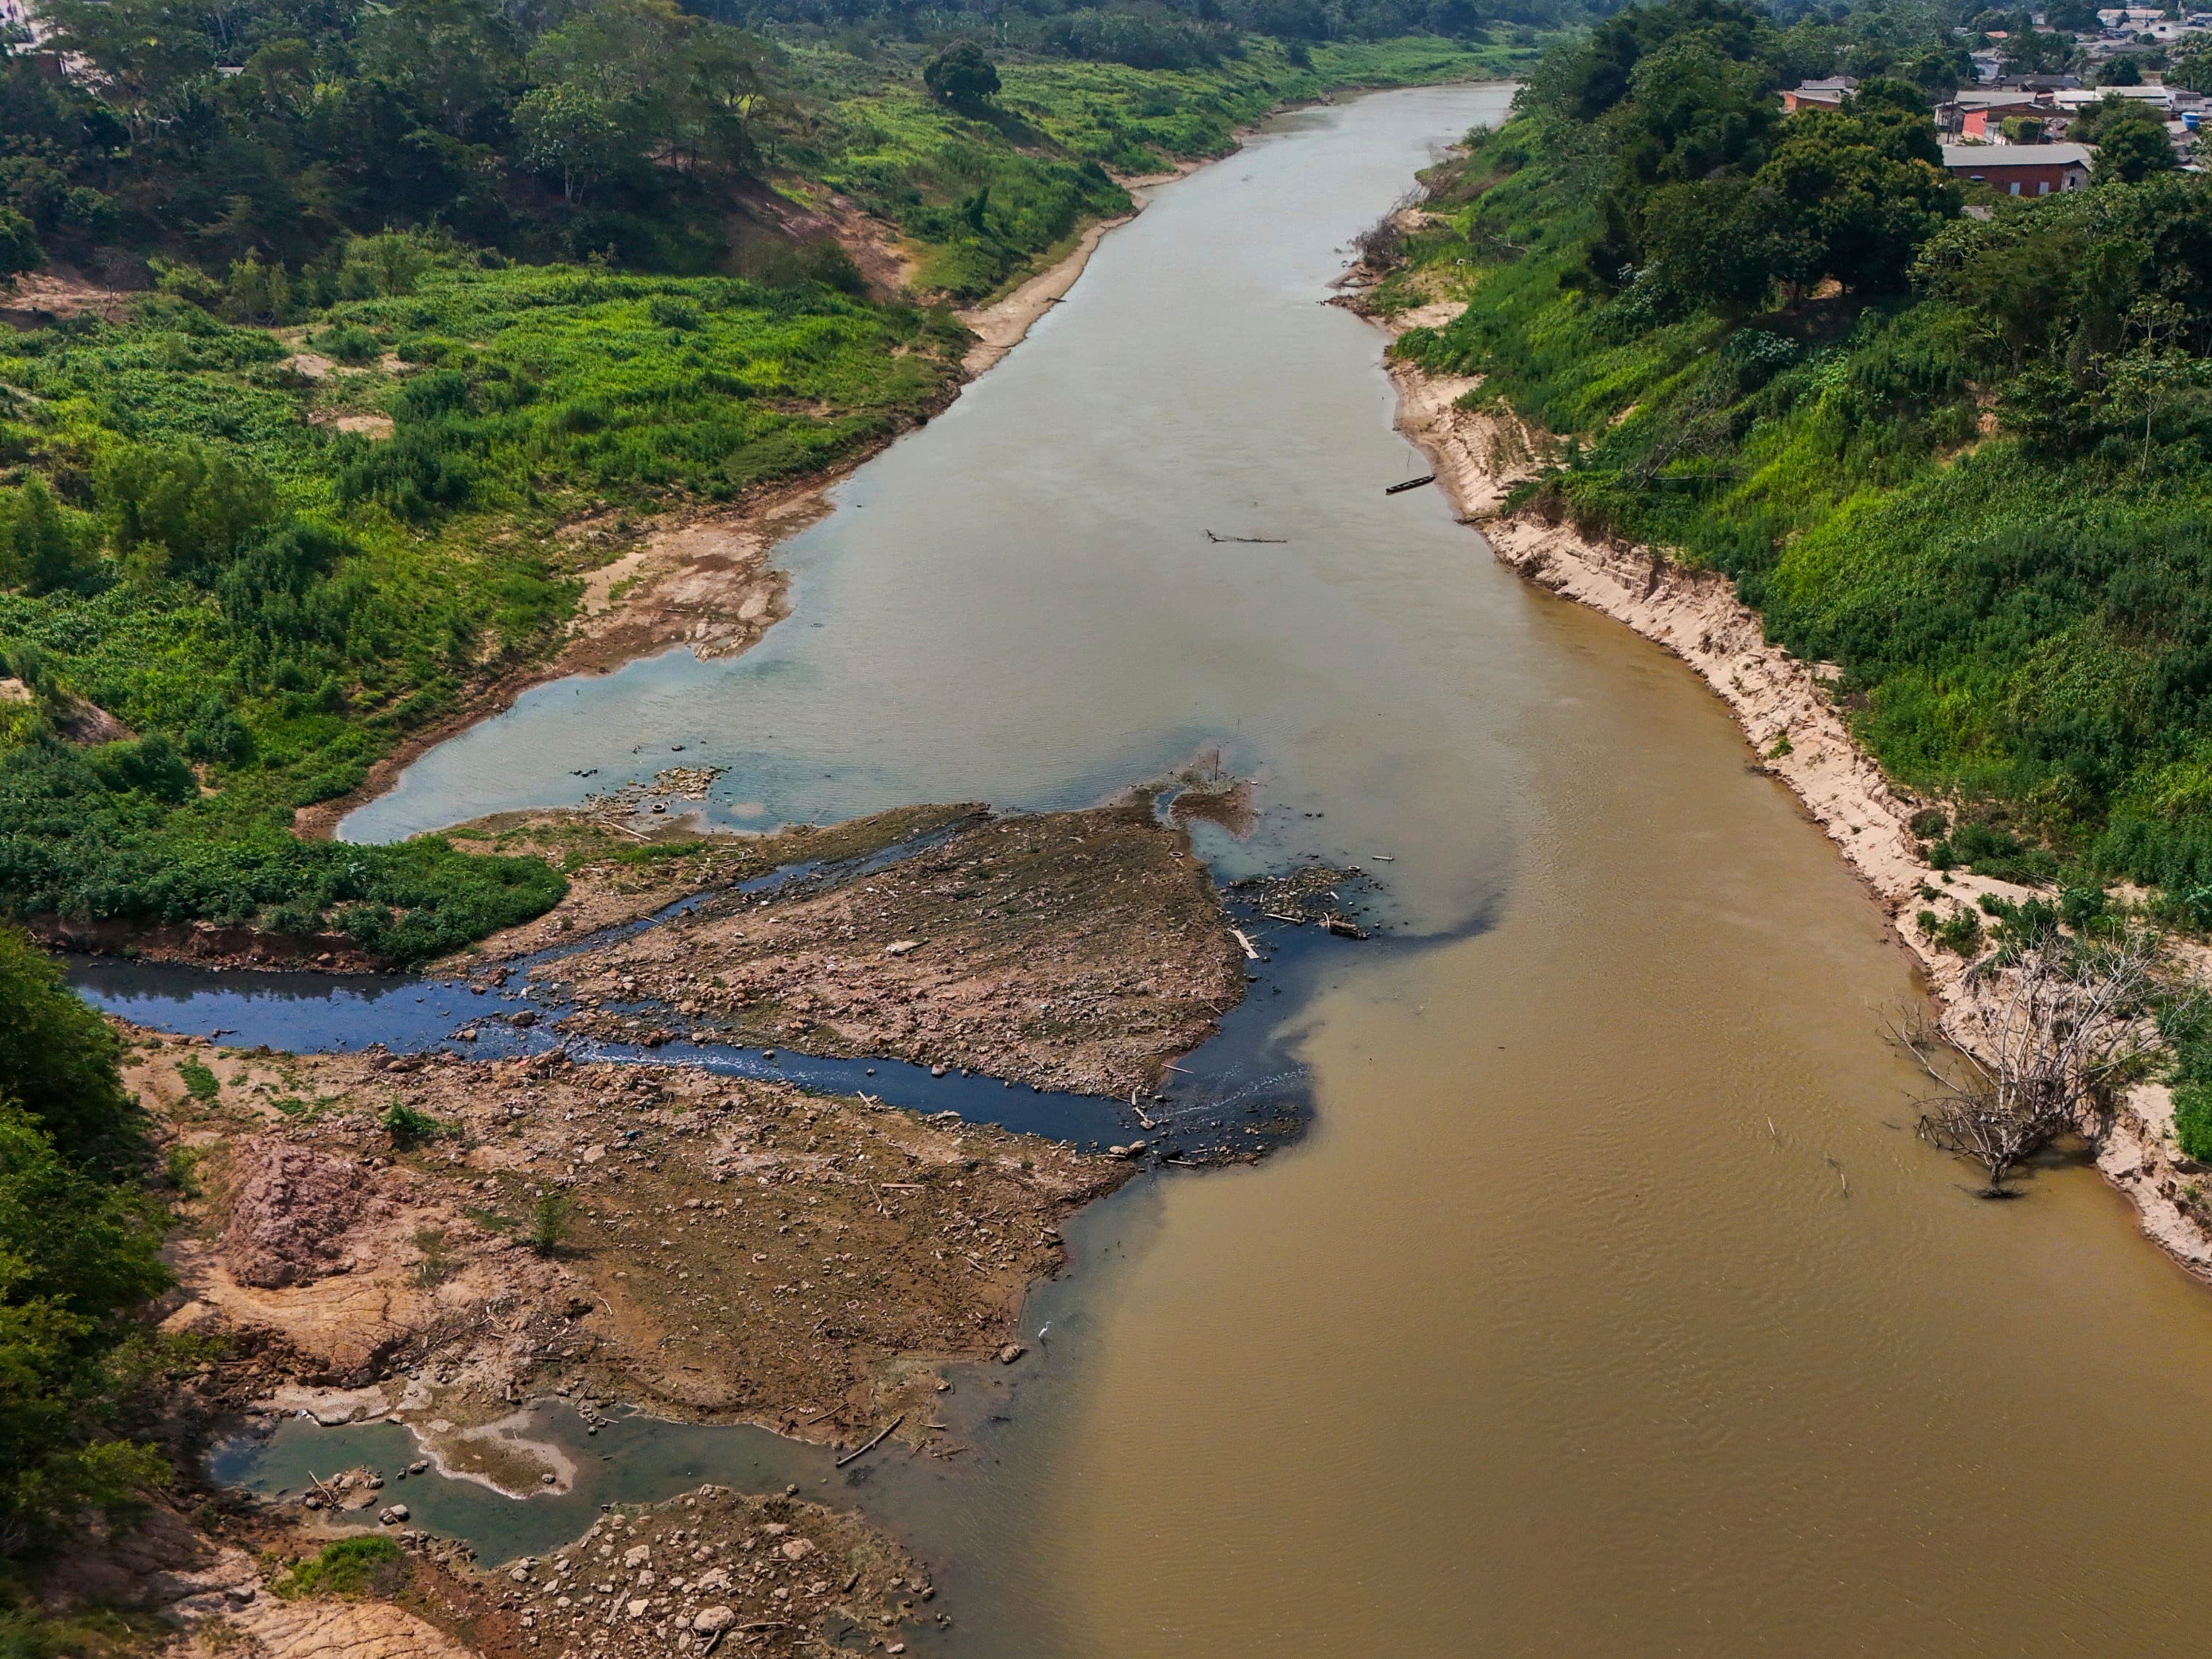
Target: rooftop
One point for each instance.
(2017, 155)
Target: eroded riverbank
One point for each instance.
(1789, 718)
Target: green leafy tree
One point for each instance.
(19, 245)
(43, 547)
(573, 133)
(961, 76)
(1695, 111)
(2121, 71)
(151, 51)
(1724, 243)
(58, 1061)
(79, 1248)
(192, 507)
(1861, 187)
(2035, 52)
(460, 60)
(630, 81)
(2130, 151)
(2191, 64)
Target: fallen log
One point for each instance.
(882, 1434)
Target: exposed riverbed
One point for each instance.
(1609, 1306)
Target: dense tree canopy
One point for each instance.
(79, 1249)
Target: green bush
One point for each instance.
(409, 1126)
(2192, 1120)
(347, 1567)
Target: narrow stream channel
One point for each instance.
(1609, 1307)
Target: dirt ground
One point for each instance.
(705, 1569)
(729, 1250)
(619, 871)
(1073, 950)
(722, 1249)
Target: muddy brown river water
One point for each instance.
(1610, 1306)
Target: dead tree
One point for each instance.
(2044, 1034)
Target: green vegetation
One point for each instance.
(273, 602)
(199, 1082)
(80, 1247)
(549, 1221)
(300, 496)
(1964, 459)
(349, 1568)
(409, 1126)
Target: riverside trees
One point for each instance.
(79, 1250)
(1967, 459)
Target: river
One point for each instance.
(1609, 1306)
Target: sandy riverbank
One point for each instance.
(1785, 710)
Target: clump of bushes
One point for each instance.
(348, 1568)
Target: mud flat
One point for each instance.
(726, 1249)
(1070, 951)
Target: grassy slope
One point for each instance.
(1060, 128)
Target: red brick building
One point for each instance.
(2021, 169)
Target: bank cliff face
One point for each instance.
(1787, 711)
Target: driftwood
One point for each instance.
(2048, 1030)
(881, 1435)
(1257, 541)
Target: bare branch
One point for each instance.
(2053, 1027)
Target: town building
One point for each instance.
(1819, 94)
(2021, 169)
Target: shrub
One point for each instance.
(961, 76)
(409, 1126)
(549, 1221)
(350, 1567)
(349, 342)
(2192, 1120)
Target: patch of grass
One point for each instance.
(409, 1126)
(201, 1083)
(349, 1568)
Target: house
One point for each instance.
(2021, 169)
(1819, 94)
(2073, 102)
(1978, 112)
